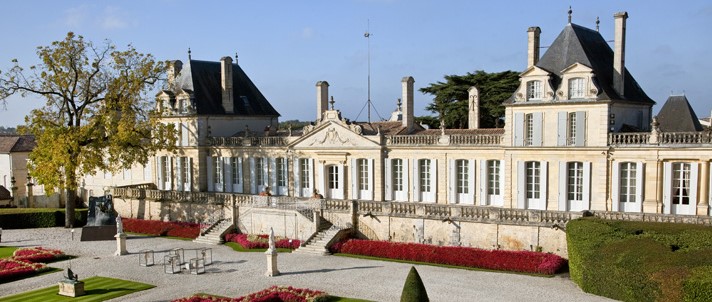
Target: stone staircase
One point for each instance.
(317, 244)
(213, 235)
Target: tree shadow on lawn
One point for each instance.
(326, 270)
(101, 291)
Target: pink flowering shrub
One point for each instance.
(517, 261)
(161, 228)
(261, 241)
(11, 269)
(271, 294)
(38, 254)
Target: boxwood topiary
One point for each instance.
(413, 289)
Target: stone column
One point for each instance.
(30, 198)
(704, 189)
(271, 254)
(13, 187)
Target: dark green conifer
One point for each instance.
(414, 290)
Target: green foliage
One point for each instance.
(295, 124)
(6, 251)
(430, 121)
(641, 261)
(96, 288)
(413, 289)
(97, 114)
(39, 219)
(451, 97)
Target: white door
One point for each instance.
(680, 191)
(334, 182)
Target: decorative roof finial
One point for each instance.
(570, 11)
(400, 104)
(236, 57)
(597, 22)
(332, 102)
(188, 53)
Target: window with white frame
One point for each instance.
(304, 173)
(571, 129)
(217, 170)
(493, 171)
(424, 181)
(333, 172)
(533, 178)
(260, 171)
(681, 183)
(528, 129)
(533, 90)
(575, 181)
(281, 166)
(576, 88)
(462, 175)
(397, 174)
(627, 190)
(363, 174)
(236, 170)
(185, 168)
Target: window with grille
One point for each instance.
(681, 183)
(533, 90)
(627, 178)
(533, 170)
(576, 88)
(363, 174)
(304, 172)
(236, 170)
(528, 129)
(185, 169)
(281, 166)
(397, 172)
(493, 177)
(462, 171)
(424, 166)
(333, 177)
(217, 170)
(575, 181)
(260, 171)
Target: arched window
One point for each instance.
(533, 90)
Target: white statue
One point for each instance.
(119, 225)
(271, 239)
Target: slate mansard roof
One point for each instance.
(204, 80)
(677, 116)
(17, 143)
(577, 44)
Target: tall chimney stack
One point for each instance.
(322, 98)
(473, 121)
(533, 46)
(174, 68)
(226, 81)
(619, 53)
(408, 118)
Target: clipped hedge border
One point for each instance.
(641, 261)
(40, 219)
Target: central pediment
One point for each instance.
(332, 135)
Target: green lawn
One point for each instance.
(28, 210)
(96, 289)
(239, 248)
(6, 251)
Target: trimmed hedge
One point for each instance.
(39, 218)
(641, 261)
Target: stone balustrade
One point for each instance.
(267, 141)
(478, 139)
(457, 139)
(659, 138)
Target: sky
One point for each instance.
(285, 47)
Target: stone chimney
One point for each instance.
(322, 98)
(226, 81)
(473, 111)
(533, 46)
(174, 68)
(619, 53)
(408, 118)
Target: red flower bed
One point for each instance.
(38, 254)
(161, 228)
(261, 241)
(272, 294)
(11, 269)
(517, 261)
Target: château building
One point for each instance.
(579, 135)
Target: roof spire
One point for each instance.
(570, 11)
(597, 22)
(236, 57)
(188, 53)
(332, 102)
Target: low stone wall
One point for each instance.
(169, 210)
(286, 223)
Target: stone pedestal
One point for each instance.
(120, 244)
(71, 288)
(271, 263)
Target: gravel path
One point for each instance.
(235, 274)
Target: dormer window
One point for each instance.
(576, 88)
(534, 91)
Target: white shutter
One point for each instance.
(471, 182)
(265, 172)
(616, 186)
(179, 175)
(388, 179)
(587, 185)
(563, 196)
(321, 178)
(639, 183)
(484, 180)
(694, 171)
(538, 128)
(452, 183)
(518, 129)
(667, 187)
(502, 173)
(561, 126)
(297, 181)
(240, 176)
(312, 185)
(416, 180)
(184, 134)
(341, 183)
(544, 184)
(286, 176)
(169, 177)
(273, 175)
(228, 175)
(580, 128)
(371, 180)
(253, 177)
(521, 185)
(210, 168)
(159, 172)
(406, 182)
(434, 179)
(354, 179)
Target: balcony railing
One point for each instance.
(659, 138)
(267, 141)
(456, 139)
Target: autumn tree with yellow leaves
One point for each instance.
(97, 116)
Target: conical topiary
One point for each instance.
(414, 290)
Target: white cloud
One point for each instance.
(75, 16)
(115, 18)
